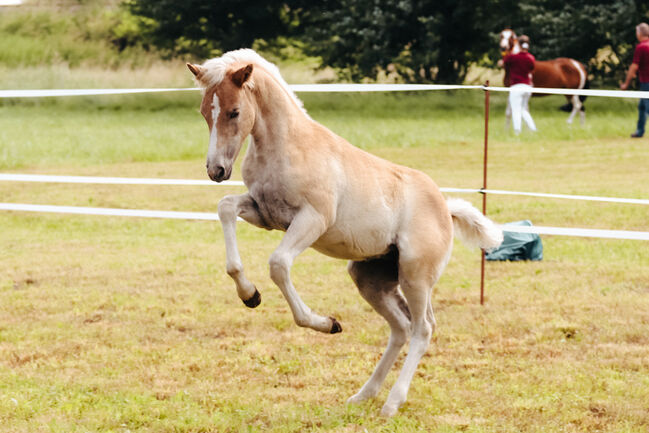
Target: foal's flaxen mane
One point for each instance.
(215, 70)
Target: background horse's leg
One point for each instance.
(576, 107)
(307, 226)
(230, 207)
(377, 282)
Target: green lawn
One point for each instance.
(119, 324)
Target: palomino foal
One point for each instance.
(391, 222)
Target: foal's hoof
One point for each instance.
(254, 300)
(335, 326)
(388, 411)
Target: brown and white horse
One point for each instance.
(559, 73)
(391, 222)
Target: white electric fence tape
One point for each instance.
(561, 231)
(588, 233)
(82, 92)
(568, 196)
(329, 88)
(636, 94)
(16, 177)
(112, 180)
(79, 210)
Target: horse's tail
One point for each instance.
(472, 227)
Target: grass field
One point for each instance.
(115, 324)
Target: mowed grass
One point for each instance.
(117, 324)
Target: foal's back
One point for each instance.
(375, 200)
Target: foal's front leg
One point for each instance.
(307, 226)
(230, 207)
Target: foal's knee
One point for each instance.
(423, 331)
(398, 337)
(279, 265)
(227, 206)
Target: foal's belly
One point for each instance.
(356, 241)
(342, 251)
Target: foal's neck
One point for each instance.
(278, 117)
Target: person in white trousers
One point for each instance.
(519, 99)
(520, 66)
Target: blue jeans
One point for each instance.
(643, 110)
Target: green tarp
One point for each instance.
(518, 246)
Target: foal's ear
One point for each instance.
(242, 75)
(196, 70)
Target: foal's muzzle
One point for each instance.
(219, 173)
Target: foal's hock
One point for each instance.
(391, 222)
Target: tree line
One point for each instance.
(422, 40)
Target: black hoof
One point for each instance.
(566, 107)
(254, 300)
(335, 326)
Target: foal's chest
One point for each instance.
(274, 208)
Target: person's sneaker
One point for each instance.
(636, 135)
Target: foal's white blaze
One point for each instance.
(211, 150)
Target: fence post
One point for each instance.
(484, 182)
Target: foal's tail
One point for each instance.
(472, 227)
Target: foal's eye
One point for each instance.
(234, 113)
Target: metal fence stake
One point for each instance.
(484, 182)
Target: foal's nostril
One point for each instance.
(216, 172)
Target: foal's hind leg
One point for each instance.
(419, 268)
(377, 281)
(230, 207)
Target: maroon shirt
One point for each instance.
(520, 66)
(641, 58)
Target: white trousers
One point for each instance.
(519, 98)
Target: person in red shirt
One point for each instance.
(520, 67)
(640, 67)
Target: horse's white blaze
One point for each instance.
(582, 74)
(216, 109)
(504, 39)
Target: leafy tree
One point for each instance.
(205, 28)
(436, 40)
(600, 33)
(424, 40)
